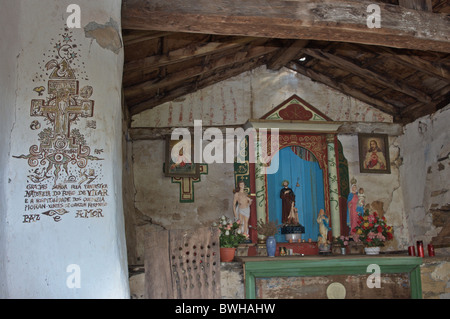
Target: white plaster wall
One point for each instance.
(9, 35)
(423, 143)
(252, 94)
(36, 255)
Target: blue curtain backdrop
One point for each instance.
(309, 195)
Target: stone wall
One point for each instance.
(435, 274)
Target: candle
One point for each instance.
(411, 251)
(420, 252)
(430, 250)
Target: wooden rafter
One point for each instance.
(351, 67)
(287, 54)
(342, 87)
(137, 91)
(194, 85)
(187, 53)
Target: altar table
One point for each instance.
(295, 266)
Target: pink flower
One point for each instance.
(355, 237)
(381, 237)
(371, 235)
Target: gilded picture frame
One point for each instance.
(374, 153)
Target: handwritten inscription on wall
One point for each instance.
(64, 179)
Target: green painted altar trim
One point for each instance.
(263, 267)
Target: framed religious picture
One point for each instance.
(179, 159)
(374, 153)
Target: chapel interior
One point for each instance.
(346, 104)
(173, 76)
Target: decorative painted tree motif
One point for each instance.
(65, 104)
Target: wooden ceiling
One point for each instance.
(173, 48)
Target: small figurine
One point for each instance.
(352, 203)
(287, 197)
(293, 215)
(241, 206)
(361, 201)
(324, 227)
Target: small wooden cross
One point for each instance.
(187, 184)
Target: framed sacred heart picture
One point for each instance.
(179, 159)
(374, 153)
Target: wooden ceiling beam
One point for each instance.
(135, 36)
(190, 87)
(351, 67)
(141, 90)
(341, 87)
(287, 54)
(417, 109)
(441, 6)
(433, 69)
(421, 5)
(186, 53)
(438, 68)
(328, 20)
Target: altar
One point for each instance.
(307, 177)
(352, 277)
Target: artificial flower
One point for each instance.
(372, 230)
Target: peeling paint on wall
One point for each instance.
(106, 35)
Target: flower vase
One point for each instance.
(372, 250)
(271, 245)
(343, 250)
(227, 254)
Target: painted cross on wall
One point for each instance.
(60, 145)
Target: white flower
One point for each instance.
(224, 222)
(223, 217)
(239, 231)
(227, 233)
(214, 224)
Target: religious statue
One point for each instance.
(324, 227)
(374, 157)
(352, 204)
(241, 206)
(287, 198)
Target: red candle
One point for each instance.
(420, 252)
(411, 251)
(430, 250)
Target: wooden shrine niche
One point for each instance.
(302, 129)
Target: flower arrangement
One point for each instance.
(372, 230)
(342, 241)
(267, 229)
(230, 234)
